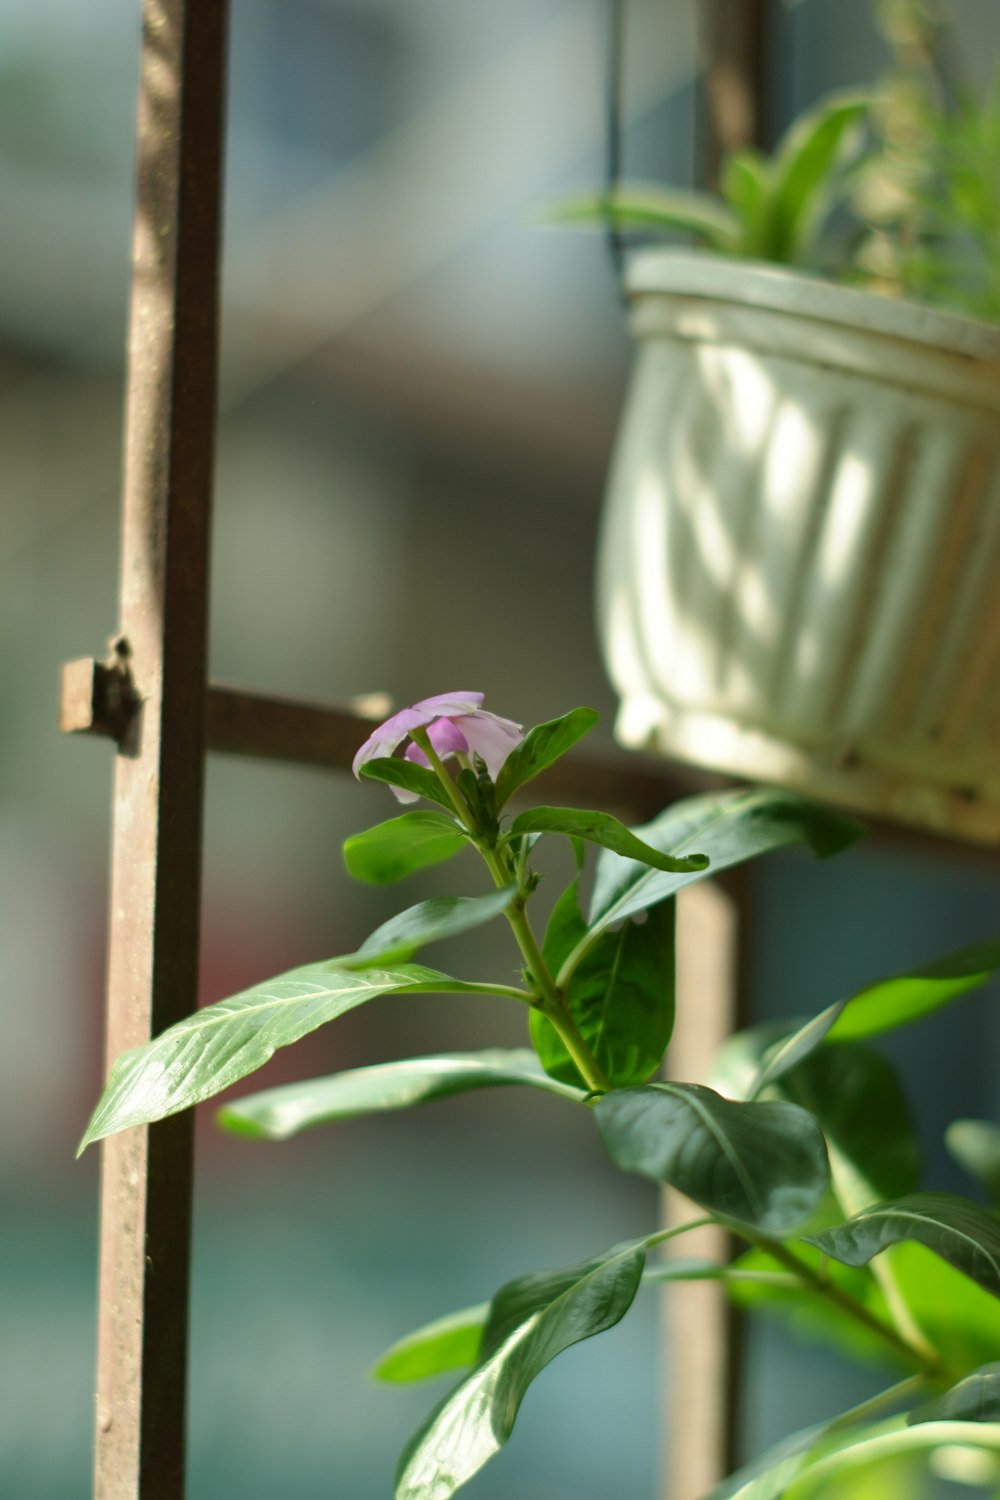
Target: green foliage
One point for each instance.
(975, 1145)
(761, 1164)
(602, 828)
(730, 827)
(390, 851)
(775, 209)
(449, 1343)
(815, 1126)
(540, 748)
(408, 775)
(963, 1234)
(397, 940)
(217, 1046)
(278, 1113)
(974, 1399)
(621, 996)
(531, 1321)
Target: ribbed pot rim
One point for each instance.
(778, 289)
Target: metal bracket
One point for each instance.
(100, 697)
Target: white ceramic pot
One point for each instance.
(799, 573)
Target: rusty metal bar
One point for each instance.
(326, 736)
(700, 1334)
(161, 654)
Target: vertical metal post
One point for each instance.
(156, 858)
(733, 45)
(699, 1439)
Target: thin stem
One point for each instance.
(842, 1299)
(913, 1385)
(423, 739)
(550, 1000)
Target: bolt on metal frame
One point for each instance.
(153, 699)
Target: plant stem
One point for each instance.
(929, 1365)
(552, 1001)
(549, 998)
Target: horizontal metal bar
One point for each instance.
(326, 736)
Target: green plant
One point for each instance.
(895, 189)
(800, 1145)
(776, 208)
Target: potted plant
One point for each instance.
(801, 1145)
(801, 537)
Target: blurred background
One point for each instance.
(420, 389)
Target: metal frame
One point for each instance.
(153, 699)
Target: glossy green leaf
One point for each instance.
(449, 1343)
(974, 1399)
(975, 1145)
(781, 1056)
(220, 1044)
(857, 1098)
(621, 996)
(409, 775)
(729, 827)
(762, 1164)
(657, 210)
(397, 940)
(403, 845)
(531, 1321)
(279, 1113)
(905, 997)
(960, 1232)
(602, 828)
(541, 747)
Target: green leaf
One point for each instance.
(531, 1321)
(659, 211)
(960, 1319)
(621, 996)
(397, 940)
(541, 747)
(810, 1315)
(409, 775)
(220, 1044)
(730, 827)
(762, 1164)
(778, 1058)
(403, 845)
(602, 828)
(905, 997)
(960, 1232)
(279, 1113)
(974, 1399)
(449, 1343)
(743, 180)
(834, 1470)
(804, 173)
(767, 1476)
(855, 1095)
(975, 1145)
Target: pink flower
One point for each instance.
(456, 724)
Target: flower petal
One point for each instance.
(388, 736)
(491, 737)
(447, 738)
